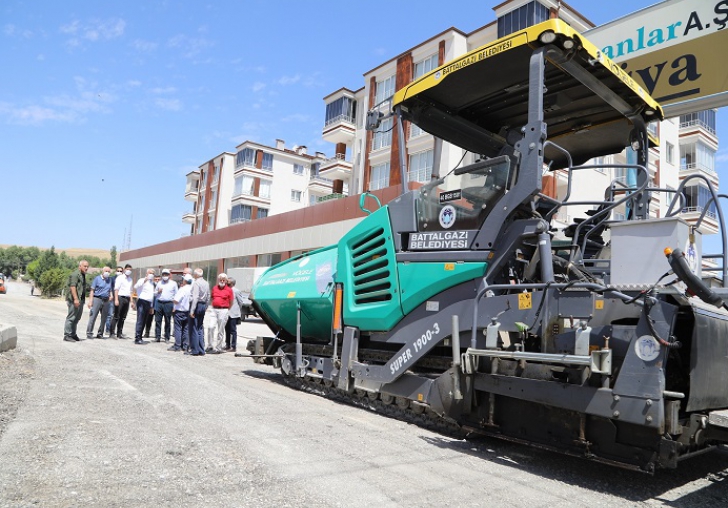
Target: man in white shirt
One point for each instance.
(166, 289)
(145, 296)
(122, 296)
(181, 315)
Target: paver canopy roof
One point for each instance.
(588, 98)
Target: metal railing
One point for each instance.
(329, 197)
(341, 118)
(698, 209)
(697, 123)
(696, 165)
(320, 179)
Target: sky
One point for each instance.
(106, 106)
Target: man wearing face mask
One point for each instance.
(99, 297)
(145, 295)
(110, 306)
(122, 295)
(166, 289)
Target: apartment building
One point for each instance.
(257, 181)
(266, 181)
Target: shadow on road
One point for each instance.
(629, 485)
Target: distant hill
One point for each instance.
(74, 252)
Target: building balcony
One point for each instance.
(336, 168)
(251, 169)
(320, 185)
(191, 193)
(249, 198)
(691, 214)
(696, 168)
(189, 217)
(340, 129)
(694, 124)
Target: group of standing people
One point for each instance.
(163, 299)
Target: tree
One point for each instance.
(53, 281)
(113, 253)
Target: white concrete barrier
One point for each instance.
(8, 338)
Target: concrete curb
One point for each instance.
(8, 338)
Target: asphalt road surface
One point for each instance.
(108, 423)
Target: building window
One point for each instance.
(415, 131)
(215, 175)
(202, 203)
(296, 195)
(268, 259)
(420, 167)
(265, 189)
(240, 213)
(704, 119)
(697, 156)
(198, 228)
(620, 174)
(262, 213)
(385, 89)
(238, 262)
(600, 162)
(245, 157)
(523, 17)
(244, 185)
(669, 153)
(210, 221)
(341, 110)
(424, 66)
(379, 178)
(652, 128)
(267, 161)
(213, 199)
(383, 136)
(697, 198)
(298, 169)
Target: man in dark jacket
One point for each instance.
(75, 298)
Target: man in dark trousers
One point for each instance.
(165, 291)
(145, 296)
(122, 297)
(199, 300)
(99, 296)
(75, 297)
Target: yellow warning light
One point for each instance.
(668, 251)
(420, 397)
(449, 266)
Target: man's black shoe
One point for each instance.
(141, 342)
(77, 338)
(89, 336)
(122, 336)
(158, 339)
(69, 339)
(174, 348)
(100, 336)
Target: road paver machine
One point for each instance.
(461, 303)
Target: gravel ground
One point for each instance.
(107, 423)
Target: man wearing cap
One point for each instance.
(222, 299)
(181, 314)
(166, 289)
